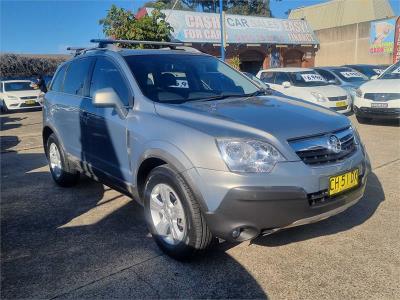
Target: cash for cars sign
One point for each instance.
(195, 27)
(382, 36)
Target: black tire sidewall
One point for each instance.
(66, 178)
(186, 246)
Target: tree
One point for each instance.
(122, 24)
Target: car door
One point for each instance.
(67, 99)
(109, 130)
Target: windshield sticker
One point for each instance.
(378, 71)
(351, 74)
(312, 77)
(182, 84)
(396, 71)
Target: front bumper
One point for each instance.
(240, 207)
(21, 104)
(377, 113)
(363, 108)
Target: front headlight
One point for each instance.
(359, 93)
(319, 97)
(252, 156)
(10, 97)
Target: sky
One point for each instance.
(49, 26)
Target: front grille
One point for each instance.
(319, 150)
(28, 98)
(338, 98)
(339, 108)
(36, 104)
(382, 96)
(381, 111)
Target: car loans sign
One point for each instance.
(195, 27)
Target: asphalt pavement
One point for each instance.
(91, 242)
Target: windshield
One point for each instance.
(17, 86)
(349, 75)
(392, 72)
(256, 80)
(179, 78)
(307, 78)
(369, 71)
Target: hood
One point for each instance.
(283, 118)
(327, 90)
(26, 93)
(381, 86)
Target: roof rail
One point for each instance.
(81, 50)
(104, 42)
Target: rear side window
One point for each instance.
(107, 75)
(267, 77)
(58, 80)
(76, 77)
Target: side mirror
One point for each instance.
(374, 77)
(107, 97)
(286, 84)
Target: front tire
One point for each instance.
(173, 215)
(61, 168)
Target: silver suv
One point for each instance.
(199, 145)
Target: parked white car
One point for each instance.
(18, 94)
(379, 98)
(308, 85)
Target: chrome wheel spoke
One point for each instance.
(167, 214)
(162, 227)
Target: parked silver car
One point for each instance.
(347, 78)
(199, 145)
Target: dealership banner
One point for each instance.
(196, 27)
(396, 48)
(382, 36)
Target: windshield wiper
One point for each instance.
(221, 97)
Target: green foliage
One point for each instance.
(235, 62)
(122, 24)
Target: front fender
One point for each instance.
(175, 157)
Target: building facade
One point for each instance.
(351, 31)
(258, 42)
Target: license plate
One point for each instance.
(341, 103)
(341, 183)
(379, 105)
(30, 102)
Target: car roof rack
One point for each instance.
(109, 44)
(104, 42)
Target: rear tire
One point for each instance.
(4, 108)
(182, 232)
(62, 171)
(363, 120)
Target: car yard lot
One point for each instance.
(90, 241)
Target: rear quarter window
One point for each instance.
(57, 84)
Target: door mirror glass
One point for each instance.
(286, 84)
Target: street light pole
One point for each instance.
(222, 21)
